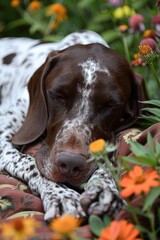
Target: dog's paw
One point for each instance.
(99, 200)
(59, 199)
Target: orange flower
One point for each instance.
(34, 5)
(59, 10)
(15, 3)
(148, 33)
(97, 146)
(120, 230)
(139, 181)
(65, 225)
(19, 229)
(123, 28)
(144, 49)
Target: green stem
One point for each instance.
(112, 169)
(136, 220)
(48, 29)
(151, 218)
(154, 74)
(125, 45)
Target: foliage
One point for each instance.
(139, 181)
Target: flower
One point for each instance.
(146, 44)
(19, 229)
(65, 225)
(148, 33)
(97, 146)
(147, 53)
(156, 22)
(120, 230)
(115, 2)
(122, 12)
(15, 3)
(144, 49)
(137, 60)
(136, 22)
(34, 5)
(59, 10)
(139, 181)
(123, 28)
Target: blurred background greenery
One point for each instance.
(123, 24)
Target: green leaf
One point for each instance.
(96, 224)
(152, 102)
(157, 149)
(84, 3)
(110, 35)
(151, 150)
(135, 210)
(135, 160)
(138, 149)
(155, 111)
(142, 229)
(17, 23)
(106, 220)
(151, 197)
(153, 119)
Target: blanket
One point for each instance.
(17, 200)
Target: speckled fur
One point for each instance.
(100, 192)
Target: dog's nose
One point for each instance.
(70, 163)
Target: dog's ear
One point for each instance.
(134, 104)
(37, 116)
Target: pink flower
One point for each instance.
(150, 42)
(156, 22)
(115, 2)
(136, 22)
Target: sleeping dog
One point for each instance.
(79, 90)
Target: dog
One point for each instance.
(79, 90)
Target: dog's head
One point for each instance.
(79, 94)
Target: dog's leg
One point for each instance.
(101, 194)
(57, 199)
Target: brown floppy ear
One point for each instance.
(134, 105)
(36, 120)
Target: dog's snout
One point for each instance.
(70, 163)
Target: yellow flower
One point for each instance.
(97, 146)
(34, 5)
(15, 3)
(59, 10)
(19, 228)
(65, 225)
(122, 12)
